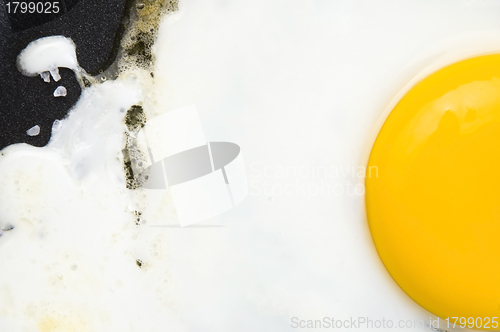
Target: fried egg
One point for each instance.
(322, 97)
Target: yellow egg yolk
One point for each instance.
(433, 205)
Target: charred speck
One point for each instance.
(133, 155)
(135, 118)
(129, 174)
(8, 228)
(142, 50)
(137, 217)
(139, 262)
(86, 82)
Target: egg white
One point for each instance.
(302, 87)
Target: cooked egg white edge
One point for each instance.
(72, 260)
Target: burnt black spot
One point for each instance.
(86, 82)
(135, 118)
(8, 228)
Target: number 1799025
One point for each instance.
(14, 7)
